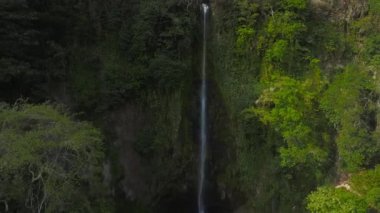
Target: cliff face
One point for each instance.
(340, 10)
(246, 35)
(127, 65)
(133, 66)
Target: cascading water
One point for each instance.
(203, 119)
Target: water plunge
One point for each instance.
(203, 118)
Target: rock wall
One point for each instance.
(340, 10)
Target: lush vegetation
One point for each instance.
(294, 101)
(49, 162)
(301, 84)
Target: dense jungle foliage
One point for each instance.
(99, 105)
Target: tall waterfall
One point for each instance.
(203, 119)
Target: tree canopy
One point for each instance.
(48, 161)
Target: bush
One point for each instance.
(331, 200)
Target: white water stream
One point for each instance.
(203, 119)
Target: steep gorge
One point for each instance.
(276, 132)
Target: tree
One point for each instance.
(280, 43)
(347, 104)
(295, 4)
(48, 161)
(333, 200)
(289, 106)
(359, 194)
(248, 14)
(367, 184)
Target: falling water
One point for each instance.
(203, 120)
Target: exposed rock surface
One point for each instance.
(339, 10)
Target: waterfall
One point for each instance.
(203, 118)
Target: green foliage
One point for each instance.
(367, 184)
(244, 37)
(283, 104)
(374, 7)
(34, 38)
(119, 79)
(286, 54)
(372, 46)
(308, 154)
(147, 52)
(327, 41)
(167, 72)
(279, 43)
(329, 199)
(112, 52)
(288, 106)
(373, 197)
(295, 4)
(364, 29)
(49, 162)
(163, 155)
(248, 14)
(355, 145)
(84, 82)
(347, 86)
(293, 105)
(363, 193)
(285, 25)
(278, 51)
(160, 26)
